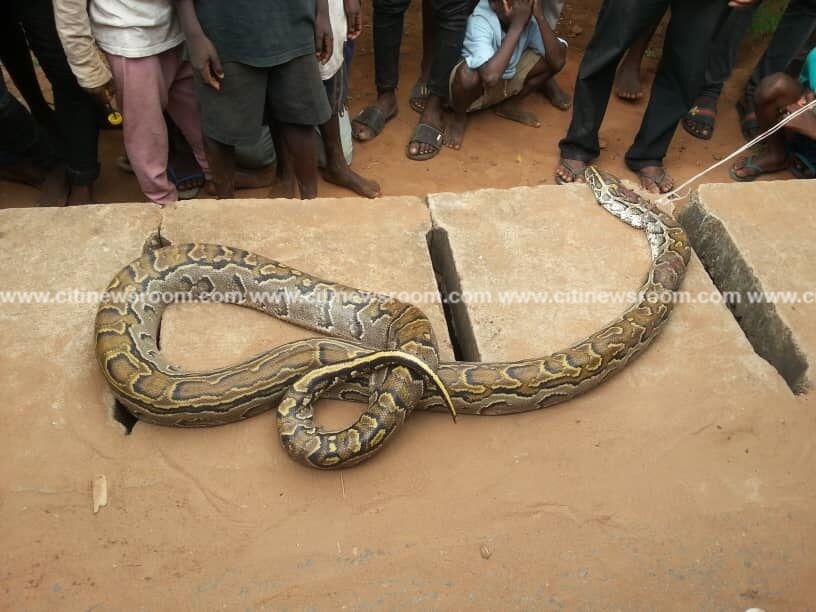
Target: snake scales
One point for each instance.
(380, 351)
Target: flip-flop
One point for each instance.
(419, 95)
(123, 163)
(425, 133)
(801, 167)
(657, 179)
(749, 126)
(193, 183)
(750, 164)
(374, 119)
(698, 122)
(574, 174)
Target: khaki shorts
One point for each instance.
(505, 88)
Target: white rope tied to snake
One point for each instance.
(675, 194)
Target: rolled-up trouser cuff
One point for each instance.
(83, 177)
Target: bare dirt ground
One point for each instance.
(496, 153)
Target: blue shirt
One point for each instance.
(484, 36)
(808, 76)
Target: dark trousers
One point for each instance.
(795, 28)
(21, 139)
(677, 83)
(76, 113)
(450, 19)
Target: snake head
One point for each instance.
(605, 183)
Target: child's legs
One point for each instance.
(142, 93)
(231, 117)
(465, 88)
(297, 102)
(773, 96)
(182, 103)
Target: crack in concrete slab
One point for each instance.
(460, 328)
(766, 330)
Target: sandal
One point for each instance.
(748, 120)
(373, 118)
(801, 167)
(419, 95)
(658, 179)
(749, 164)
(576, 176)
(123, 163)
(699, 121)
(424, 133)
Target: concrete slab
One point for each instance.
(756, 241)
(686, 482)
(672, 482)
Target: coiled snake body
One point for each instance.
(381, 351)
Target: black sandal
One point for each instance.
(698, 122)
(373, 118)
(425, 133)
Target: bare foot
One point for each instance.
(340, 174)
(751, 167)
(627, 82)
(559, 98)
(54, 188)
(654, 179)
(248, 179)
(510, 109)
(27, 173)
(284, 188)
(454, 133)
(570, 171)
(80, 194)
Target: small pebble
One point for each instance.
(485, 552)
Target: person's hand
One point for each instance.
(741, 4)
(538, 10)
(806, 99)
(354, 18)
(104, 95)
(324, 39)
(205, 61)
(519, 11)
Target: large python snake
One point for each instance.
(380, 351)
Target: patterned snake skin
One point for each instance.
(380, 351)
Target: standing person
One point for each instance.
(16, 57)
(449, 18)
(795, 28)
(26, 153)
(346, 24)
(143, 44)
(75, 111)
(678, 81)
(251, 57)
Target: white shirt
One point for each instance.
(337, 14)
(135, 28)
(131, 28)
